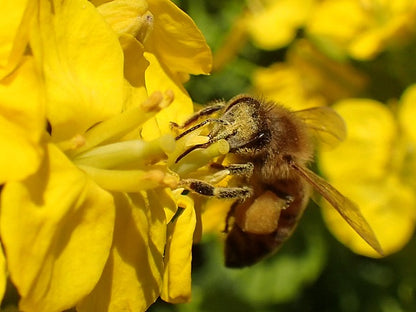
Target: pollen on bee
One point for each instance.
(260, 216)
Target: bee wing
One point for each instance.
(324, 124)
(346, 208)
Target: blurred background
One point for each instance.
(357, 56)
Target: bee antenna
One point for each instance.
(204, 145)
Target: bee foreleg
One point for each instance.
(207, 189)
(201, 124)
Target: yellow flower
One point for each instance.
(87, 215)
(270, 25)
(21, 100)
(14, 33)
(307, 78)
(22, 122)
(362, 29)
(371, 168)
(273, 24)
(171, 44)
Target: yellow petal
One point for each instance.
(337, 22)
(340, 19)
(56, 227)
(178, 255)
(215, 214)
(22, 122)
(407, 112)
(276, 25)
(283, 83)
(395, 28)
(322, 75)
(362, 28)
(157, 79)
(366, 153)
(407, 121)
(367, 45)
(82, 62)
(177, 41)
(132, 277)
(388, 206)
(15, 22)
(125, 16)
(135, 64)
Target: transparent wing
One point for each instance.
(346, 208)
(324, 124)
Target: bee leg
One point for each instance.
(289, 200)
(245, 170)
(207, 189)
(207, 111)
(201, 124)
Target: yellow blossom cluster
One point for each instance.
(87, 90)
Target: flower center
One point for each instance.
(119, 164)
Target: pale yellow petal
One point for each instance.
(82, 63)
(56, 227)
(22, 122)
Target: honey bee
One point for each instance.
(271, 147)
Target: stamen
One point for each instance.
(127, 154)
(123, 123)
(72, 144)
(146, 28)
(200, 157)
(157, 101)
(130, 180)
